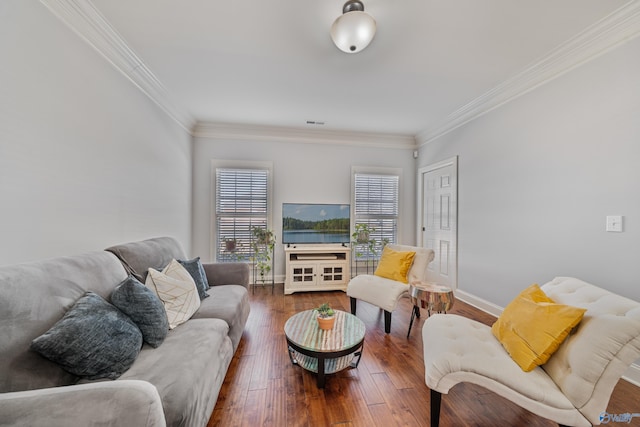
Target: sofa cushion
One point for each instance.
(229, 303)
(532, 327)
(195, 269)
(394, 264)
(93, 339)
(177, 291)
(187, 370)
(138, 257)
(34, 296)
(144, 307)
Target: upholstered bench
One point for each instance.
(572, 388)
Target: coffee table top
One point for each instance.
(303, 330)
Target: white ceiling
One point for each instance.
(272, 62)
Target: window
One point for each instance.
(241, 202)
(376, 204)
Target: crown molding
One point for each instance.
(86, 21)
(620, 26)
(228, 131)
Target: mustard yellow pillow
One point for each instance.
(395, 265)
(532, 327)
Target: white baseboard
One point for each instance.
(632, 374)
(479, 303)
(278, 279)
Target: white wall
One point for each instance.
(86, 160)
(302, 173)
(538, 176)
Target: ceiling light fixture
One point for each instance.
(354, 29)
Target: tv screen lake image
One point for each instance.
(315, 223)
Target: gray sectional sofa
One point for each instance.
(175, 384)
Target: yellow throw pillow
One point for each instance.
(395, 265)
(532, 327)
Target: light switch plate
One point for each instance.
(614, 223)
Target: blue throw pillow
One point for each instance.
(196, 270)
(144, 307)
(93, 340)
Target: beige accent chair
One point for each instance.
(385, 293)
(573, 388)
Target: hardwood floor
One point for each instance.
(263, 388)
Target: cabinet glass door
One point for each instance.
(302, 274)
(332, 274)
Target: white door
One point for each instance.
(438, 189)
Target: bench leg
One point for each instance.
(353, 305)
(387, 321)
(436, 399)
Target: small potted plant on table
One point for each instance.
(326, 317)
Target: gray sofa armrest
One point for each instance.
(108, 403)
(227, 273)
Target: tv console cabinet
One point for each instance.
(317, 268)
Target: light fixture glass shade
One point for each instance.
(353, 31)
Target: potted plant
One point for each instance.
(365, 250)
(263, 236)
(326, 317)
(230, 244)
(263, 244)
(362, 233)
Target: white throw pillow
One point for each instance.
(177, 290)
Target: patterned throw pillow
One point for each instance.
(93, 339)
(144, 307)
(177, 291)
(196, 270)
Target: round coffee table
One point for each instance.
(433, 297)
(324, 352)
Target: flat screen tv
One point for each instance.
(304, 223)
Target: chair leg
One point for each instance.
(436, 399)
(353, 305)
(387, 321)
(416, 309)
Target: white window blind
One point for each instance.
(241, 203)
(376, 204)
